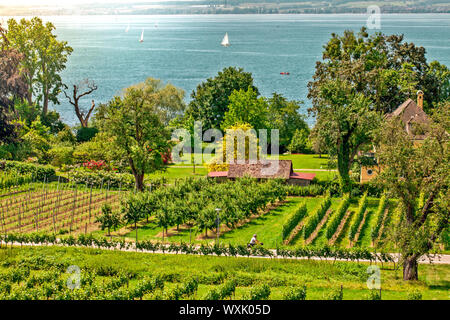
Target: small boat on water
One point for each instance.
(127, 29)
(225, 42)
(285, 73)
(142, 36)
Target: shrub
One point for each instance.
(60, 156)
(86, 134)
(312, 190)
(261, 292)
(335, 294)
(414, 295)
(373, 295)
(380, 215)
(338, 216)
(293, 220)
(296, 293)
(115, 180)
(316, 217)
(38, 172)
(359, 216)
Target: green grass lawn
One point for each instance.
(172, 173)
(320, 277)
(299, 161)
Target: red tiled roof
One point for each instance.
(302, 175)
(217, 174)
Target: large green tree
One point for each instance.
(134, 125)
(12, 86)
(44, 57)
(346, 122)
(418, 175)
(210, 99)
(246, 107)
(384, 68)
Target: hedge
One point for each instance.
(38, 172)
(312, 190)
(336, 219)
(359, 216)
(293, 220)
(316, 217)
(380, 215)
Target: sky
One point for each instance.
(69, 2)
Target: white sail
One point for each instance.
(225, 41)
(127, 29)
(142, 36)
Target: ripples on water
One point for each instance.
(185, 50)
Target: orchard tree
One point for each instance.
(346, 122)
(418, 175)
(134, 123)
(44, 57)
(108, 219)
(210, 100)
(12, 86)
(385, 69)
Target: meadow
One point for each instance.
(131, 275)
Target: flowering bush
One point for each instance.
(96, 165)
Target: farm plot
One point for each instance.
(54, 208)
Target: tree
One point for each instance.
(134, 210)
(210, 100)
(285, 116)
(44, 58)
(79, 91)
(246, 107)
(12, 87)
(133, 124)
(108, 219)
(417, 174)
(346, 121)
(383, 68)
(300, 142)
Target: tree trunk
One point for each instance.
(343, 166)
(410, 269)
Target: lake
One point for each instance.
(185, 50)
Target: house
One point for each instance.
(267, 169)
(414, 118)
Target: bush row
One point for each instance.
(293, 220)
(315, 218)
(380, 216)
(351, 254)
(337, 217)
(38, 172)
(359, 216)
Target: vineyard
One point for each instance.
(57, 208)
(54, 273)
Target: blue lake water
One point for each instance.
(185, 50)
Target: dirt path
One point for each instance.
(296, 230)
(341, 226)
(361, 225)
(319, 226)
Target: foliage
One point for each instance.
(210, 100)
(382, 206)
(293, 220)
(108, 219)
(345, 122)
(383, 68)
(412, 169)
(315, 217)
(38, 172)
(313, 190)
(300, 142)
(295, 293)
(85, 134)
(102, 178)
(135, 125)
(335, 294)
(44, 58)
(245, 107)
(360, 212)
(337, 217)
(261, 292)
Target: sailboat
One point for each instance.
(142, 36)
(127, 29)
(225, 41)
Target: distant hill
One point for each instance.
(235, 7)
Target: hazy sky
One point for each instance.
(69, 2)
